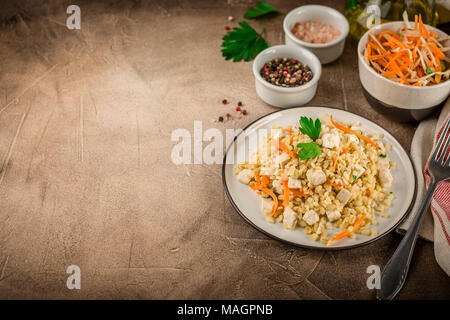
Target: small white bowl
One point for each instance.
(401, 102)
(326, 52)
(286, 97)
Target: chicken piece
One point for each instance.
(311, 217)
(289, 218)
(316, 177)
(384, 174)
(276, 133)
(383, 163)
(333, 214)
(358, 171)
(277, 186)
(245, 176)
(294, 183)
(385, 178)
(282, 159)
(267, 205)
(268, 171)
(351, 138)
(320, 228)
(343, 196)
(330, 140)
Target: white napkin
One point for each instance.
(432, 229)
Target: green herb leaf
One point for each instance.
(443, 65)
(243, 43)
(308, 150)
(383, 155)
(262, 8)
(310, 128)
(354, 177)
(430, 70)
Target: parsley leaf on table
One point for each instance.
(262, 8)
(310, 128)
(308, 150)
(243, 43)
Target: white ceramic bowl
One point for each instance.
(326, 52)
(402, 102)
(280, 96)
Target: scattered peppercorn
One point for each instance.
(238, 109)
(227, 28)
(244, 112)
(240, 103)
(220, 119)
(224, 101)
(284, 72)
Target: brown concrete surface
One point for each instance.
(86, 179)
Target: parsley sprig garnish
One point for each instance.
(262, 8)
(309, 150)
(243, 43)
(312, 129)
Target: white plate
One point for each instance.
(247, 203)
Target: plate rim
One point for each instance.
(357, 245)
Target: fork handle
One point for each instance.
(394, 274)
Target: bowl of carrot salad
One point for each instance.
(404, 68)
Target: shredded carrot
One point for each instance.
(335, 161)
(407, 56)
(291, 140)
(423, 30)
(289, 130)
(368, 51)
(348, 130)
(346, 233)
(341, 235)
(392, 33)
(358, 223)
(285, 193)
(259, 187)
(438, 76)
(257, 178)
(264, 180)
(274, 197)
(286, 149)
(334, 184)
(298, 193)
(333, 168)
(344, 151)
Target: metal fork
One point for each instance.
(394, 274)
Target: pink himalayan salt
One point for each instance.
(315, 32)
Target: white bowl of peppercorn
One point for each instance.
(286, 76)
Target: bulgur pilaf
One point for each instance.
(320, 176)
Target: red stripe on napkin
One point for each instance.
(441, 196)
(441, 223)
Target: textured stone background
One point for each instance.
(85, 125)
